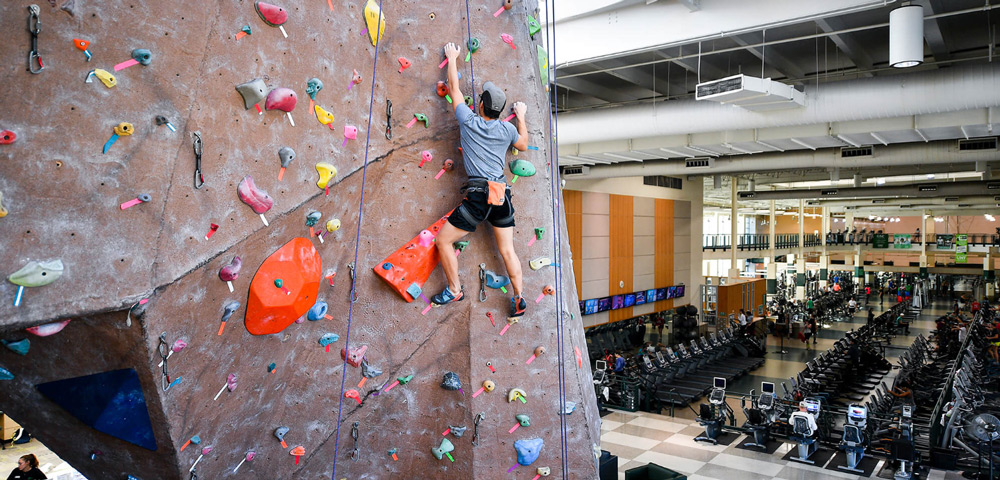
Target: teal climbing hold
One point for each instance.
(5, 374)
(19, 347)
(522, 168)
(328, 338)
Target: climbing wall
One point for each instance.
(125, 239)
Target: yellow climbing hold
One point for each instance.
(373, 17)
(323, 116)
(124, 129)
(105, 77)
(3, 211)
(333, 225)
(326, 173)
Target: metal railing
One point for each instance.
(751, 242)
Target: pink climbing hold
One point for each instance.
(425, 157)
(509, 40)
(426, 238)
(350, 133)
(48, 328)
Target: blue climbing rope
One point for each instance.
(557, 239)
(357, 240)
(472, 69)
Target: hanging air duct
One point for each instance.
(906, 36)
(751, 93)
(857, 180)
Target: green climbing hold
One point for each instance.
(522, 168)
(468, 101)
(539, 231)
(421, 118)
(533, 26)
(473, 44)
(278, 283)
(460, 245)
(523, 420)
(405, 380)
(543, 67)
(246, 30)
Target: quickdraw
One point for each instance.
(482, 282)
(164, 350)
(354, 434)
(388, 119)
(475, 431)
(34, 27)
(199, 180)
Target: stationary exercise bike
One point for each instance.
(715, 414)
(804, 431)
(902, 445)
(853, 441)
(759, 415)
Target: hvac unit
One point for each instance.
(699, 162)
(576, 171)
(751, 93)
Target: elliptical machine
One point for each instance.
(854, 441)
(804, 429)
(714, 415)
(759, 415)
(902, 445)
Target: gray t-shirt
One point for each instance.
(484, 143)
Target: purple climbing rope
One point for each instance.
(557, 241)
(357, 243)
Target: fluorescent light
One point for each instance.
(880, 181)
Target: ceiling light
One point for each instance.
(898, 220)
(989, 217)
(880, 181)
(930, 176)
(906, 36)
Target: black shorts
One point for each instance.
(474, 209)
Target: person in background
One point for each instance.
(871, 315)
(743, 318)
(27, 469)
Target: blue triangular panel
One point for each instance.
(110, 402)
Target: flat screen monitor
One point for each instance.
(651, 295)
(590, 306)
(661, 294)
(720, 382)
(629, 300)
(645, 359)
(617, 301)
(679, 291)
(603, 304)
(602, 365)
(659, 356)
(767, 387)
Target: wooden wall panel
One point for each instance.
(664, 248)
(573, 205)
(620, 243)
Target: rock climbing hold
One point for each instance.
(451, 381)
(494, 280)
(539, 351)
(488, 385)
(350, 133)
(271, 367)
(104, 76)
(540, 262)
(312, 218)
(19, 347)
(468, 101)
(124, 129)
(272, 15)
(533, 27)
(445, 448)
(353, 356)
(509, 40)
(523, 420)
(7, 137)
(255, 198)
(281, 98)
(442, 89)
(425, 156)
(244, 31)
(422, 118)
(83, 46)
(516, 394)
(297, 452)
(473, 44)
(375, 21)
(508, 4)
(278, 282)
(539, 231)
(3, 210)
(528, 450)
(270, 310)
(460, 245)
(280, 432)
(404, 380)
(285, 156)
(37, 274)
(324, 117)
(569, 408)
(48, 329)
(313, 86)
(355, 78)
(326, 173)
(5, 374)
(522, 168)
(403, 64)
(229, 310)
(368, 371)
(161, 120)
(142, 55)
(253, 92)
(543, 471)
(458, 431)
(354, 395)
(426, 238)
(318, 311)
(333, 225)
(231, 271)
(328, 338)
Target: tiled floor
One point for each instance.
(53, 466)
(640, 438)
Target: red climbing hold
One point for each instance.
(269, 309)
(7, 137)
(403, 64)
(272, 15)
(408, 268)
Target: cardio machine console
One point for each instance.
(766, 399)
(718, 394)
(600, 372)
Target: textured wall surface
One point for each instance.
(63, 195)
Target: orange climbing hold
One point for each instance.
(269, 308)
(408, 268)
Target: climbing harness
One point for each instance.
(199, 180)
(164, 350)
(34, 26)
(482, 282)
(354, 435)
(388, 119)
(475, 431)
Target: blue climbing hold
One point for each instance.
(19, 347)
(386, 266)
(496, 281)
(328, 338)
(528, 450)
(414, 290)
(5, 374)
(318, 311)
(110, 402)
(569, 408)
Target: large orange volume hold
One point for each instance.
(284, 287)
(408, 268)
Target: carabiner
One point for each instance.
(199, 180)
(34, 27)
(388, 119)
(164, 351)
(482, 282)
(354, 295)
(475, 435)
(354, 434)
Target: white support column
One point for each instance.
(800, 267)
(772, 267)
(824, 258)
(734, 269)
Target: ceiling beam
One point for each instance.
(693, 5)
(592, 89)
(932, 32)
(568, 99)
(771, 57)
(635, 75)
(709, 71)
(853, 49)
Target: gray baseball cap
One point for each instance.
(493, 97)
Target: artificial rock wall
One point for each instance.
(63, 195)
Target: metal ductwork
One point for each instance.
(923, 190)
(900, 155)
(945, 90)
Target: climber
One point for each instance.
(485, 140)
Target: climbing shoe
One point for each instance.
(446, 297)
(517, 306)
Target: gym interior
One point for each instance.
(754, 240)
